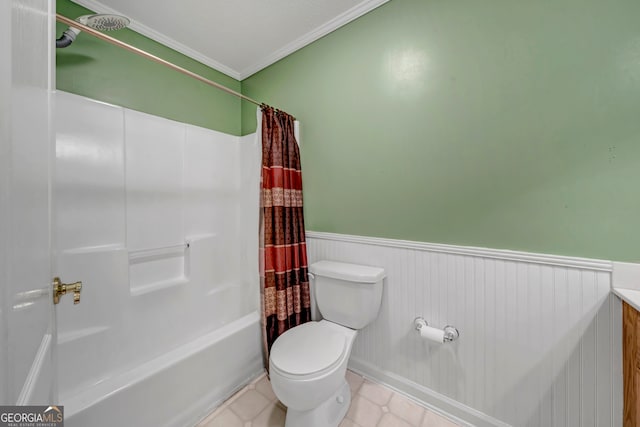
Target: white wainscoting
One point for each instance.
(540, 335)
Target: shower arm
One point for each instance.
(116, 42)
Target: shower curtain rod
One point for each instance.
(116, 42)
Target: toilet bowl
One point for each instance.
(307, 369)
(308, 363)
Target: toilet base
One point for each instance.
(329, 414)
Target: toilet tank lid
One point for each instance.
(346, 271)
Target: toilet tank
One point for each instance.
(347, 294)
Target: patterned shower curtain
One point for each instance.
(284, 281)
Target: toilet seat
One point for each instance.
(308, 350)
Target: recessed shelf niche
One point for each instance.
(155, 269)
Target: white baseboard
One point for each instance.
(426, 397)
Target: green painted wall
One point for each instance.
(500, 123)
(98, 70)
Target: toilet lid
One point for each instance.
(306, 349)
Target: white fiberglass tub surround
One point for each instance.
(159, 220)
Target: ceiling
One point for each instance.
(236, 37)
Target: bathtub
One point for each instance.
(178, 388)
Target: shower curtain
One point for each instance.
(284, 284)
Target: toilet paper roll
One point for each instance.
(432, 334)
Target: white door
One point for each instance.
(27, 321)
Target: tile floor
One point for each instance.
(372, 405)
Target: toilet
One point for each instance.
(308, 363)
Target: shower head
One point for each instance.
(104, 21)
(101, 21)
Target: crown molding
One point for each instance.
(313, 35)
(157, 36)
(321, 31)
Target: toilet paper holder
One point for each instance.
(450, 332)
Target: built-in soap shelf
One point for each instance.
(158, 268)
(92, 249)
(199, 237)
(158, 286)
(152, 254)
(222, 288)
(162, 268)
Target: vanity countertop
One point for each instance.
(630, 296)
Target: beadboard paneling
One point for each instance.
(540, 340)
